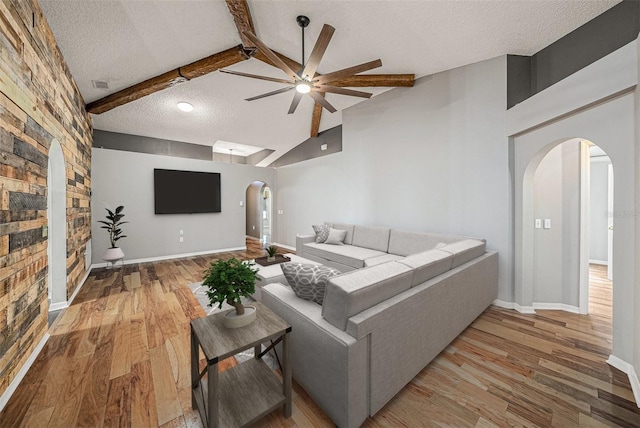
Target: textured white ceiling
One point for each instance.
(127, 41)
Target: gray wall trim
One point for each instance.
(310, 148)
(154, 146)
(594, 40)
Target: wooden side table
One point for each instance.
(249, 391)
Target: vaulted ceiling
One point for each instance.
(125, 42)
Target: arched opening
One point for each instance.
(558, 227)
(57, 228)
(259, 204)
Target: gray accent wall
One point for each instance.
(311, 148)
(557, 250)
(126, 178)
(156, 146)
(429, 158)
(594, 40)
(599, 211)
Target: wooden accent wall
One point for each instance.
(39, 101)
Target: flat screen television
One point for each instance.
(186, 192)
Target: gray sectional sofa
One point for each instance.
(403, 298)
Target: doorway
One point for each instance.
(259, 207)
(57, 228)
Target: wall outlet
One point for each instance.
(182, 239)
(547, 223)
(181, 232)
(323, 147)
(538, 223)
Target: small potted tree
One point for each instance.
(112, 225)
(228, 281)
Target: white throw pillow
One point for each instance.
(336, 237)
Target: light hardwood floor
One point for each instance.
(119, 357)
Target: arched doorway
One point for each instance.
(259, 212)
(557, 226)
(57, 228)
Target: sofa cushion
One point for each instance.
(308, 281)
(322, 232)
(405, 243)
(428, 264)
(351, 293)
(345, 254)
(344, 226)
(336, 237)
(381, 259)
(375, 238)
(465, 251)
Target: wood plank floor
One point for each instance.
(119, 356)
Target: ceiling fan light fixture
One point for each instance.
(185, 106)
(303, 87)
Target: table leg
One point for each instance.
(212, 378)
(286, 375)
(195, 367)
(256, 351)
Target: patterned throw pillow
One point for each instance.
(308, 281)
(322, 232)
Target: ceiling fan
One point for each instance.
(306, 80)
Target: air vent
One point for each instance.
(100, 84)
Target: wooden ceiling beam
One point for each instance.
(170, 78)
(374, 80)
(242, 18)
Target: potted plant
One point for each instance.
(228, 281)
(271, 253)
(112, 225)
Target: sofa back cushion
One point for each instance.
(428, 264)
(404, 243)
(375, 238)
(353, 292)
(464, 251)
(344, 226)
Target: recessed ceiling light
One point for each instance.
(184, 106)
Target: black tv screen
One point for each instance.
(186, 192)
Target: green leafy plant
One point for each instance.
(271, 250)
(228, 281)
(113, 225)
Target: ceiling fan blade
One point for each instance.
(341, 91)
(294, 102)
(350, 71)
(268, 94)
(318, 51)
(320, 100)
(255, 76)
(273, 57)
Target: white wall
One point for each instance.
(599, 211)
(430, 158)
(556, 196)
(126, 178)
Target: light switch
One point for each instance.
(538, 223)
(547, 223)
(181, 232)
(242, 203)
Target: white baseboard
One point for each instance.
(557, 307)
(4, 398)
(630, 371)
(288, 247)
(598, 262)
(513, 305)
(169, 257)
(63, 305)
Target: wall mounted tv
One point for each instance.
(186, 192)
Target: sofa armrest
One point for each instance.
(301, 240)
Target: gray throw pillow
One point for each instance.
(322, 232)
(308, 281)
(336, 236)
